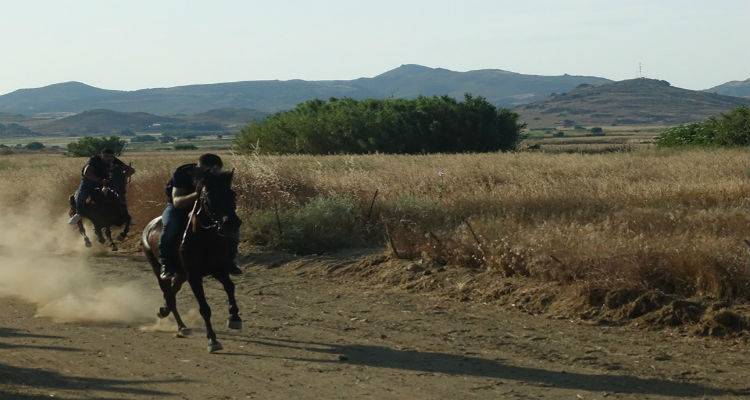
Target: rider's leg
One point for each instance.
(84, 192)
(173, 221)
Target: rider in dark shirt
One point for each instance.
(95, 174)
(181, 195)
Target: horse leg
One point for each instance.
(234, 321)
(126, 229)
(182, 329)
(82, 231)
(196, 284)
(108, 234)
(99, 233)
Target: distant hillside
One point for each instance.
(733, 88)
(102, 122)
(15, 130)
(500, 87)
(630, 102)
(229, 117)
(108, 122)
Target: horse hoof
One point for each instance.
(88, 243)
(101, 241)
(214, 346)
(114, 248)
(162, 313)
(234, 324)
(183, 333)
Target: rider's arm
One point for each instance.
(183, 198)
(88, 173)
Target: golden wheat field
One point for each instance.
(655, 220)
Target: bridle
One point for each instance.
(202, 208)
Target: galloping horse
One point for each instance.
(107, 208)
(203, 249)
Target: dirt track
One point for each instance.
(305, 337)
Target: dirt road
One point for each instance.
(305, 337)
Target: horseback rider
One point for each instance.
(181, 194)
(94, 175)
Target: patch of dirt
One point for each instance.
(335, 327)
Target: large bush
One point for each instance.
(88, 146)
(422, 125)
(728, 129)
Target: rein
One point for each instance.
(198, 210)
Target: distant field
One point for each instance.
(644, 220)
(615, 138)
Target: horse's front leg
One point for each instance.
(196, 284)
(82, 231)
(234, 321)
(108, 233)
(126, 229)
(99, 233)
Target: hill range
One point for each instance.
(502, 88)
(733, 88)
(75, 108)
(630, 102)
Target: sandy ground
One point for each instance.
(307, 337)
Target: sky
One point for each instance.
(137, 44)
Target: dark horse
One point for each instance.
(204, 246)
(106, 208)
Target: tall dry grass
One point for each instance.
(673, 221)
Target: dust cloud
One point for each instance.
(44, 262)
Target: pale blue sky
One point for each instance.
(136, 44)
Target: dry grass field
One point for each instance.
(641, 228)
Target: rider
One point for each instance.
(181, 195)
(95, 174)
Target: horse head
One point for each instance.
(217, 203)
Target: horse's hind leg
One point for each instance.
(196, 284)
(182, 329)
(108, 234)
(82, 231)
(234, 321)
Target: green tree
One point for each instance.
(89, 146)
(35, 146)
(409, 126)
(728, 129)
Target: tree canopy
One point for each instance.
(89, 146)
(728, 129)
(408, 126)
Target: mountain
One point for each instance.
(500, 87)
(229, 117)
(629, 102)
(109, 122)
(733, 88)
(15, 130)
(102, 122)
